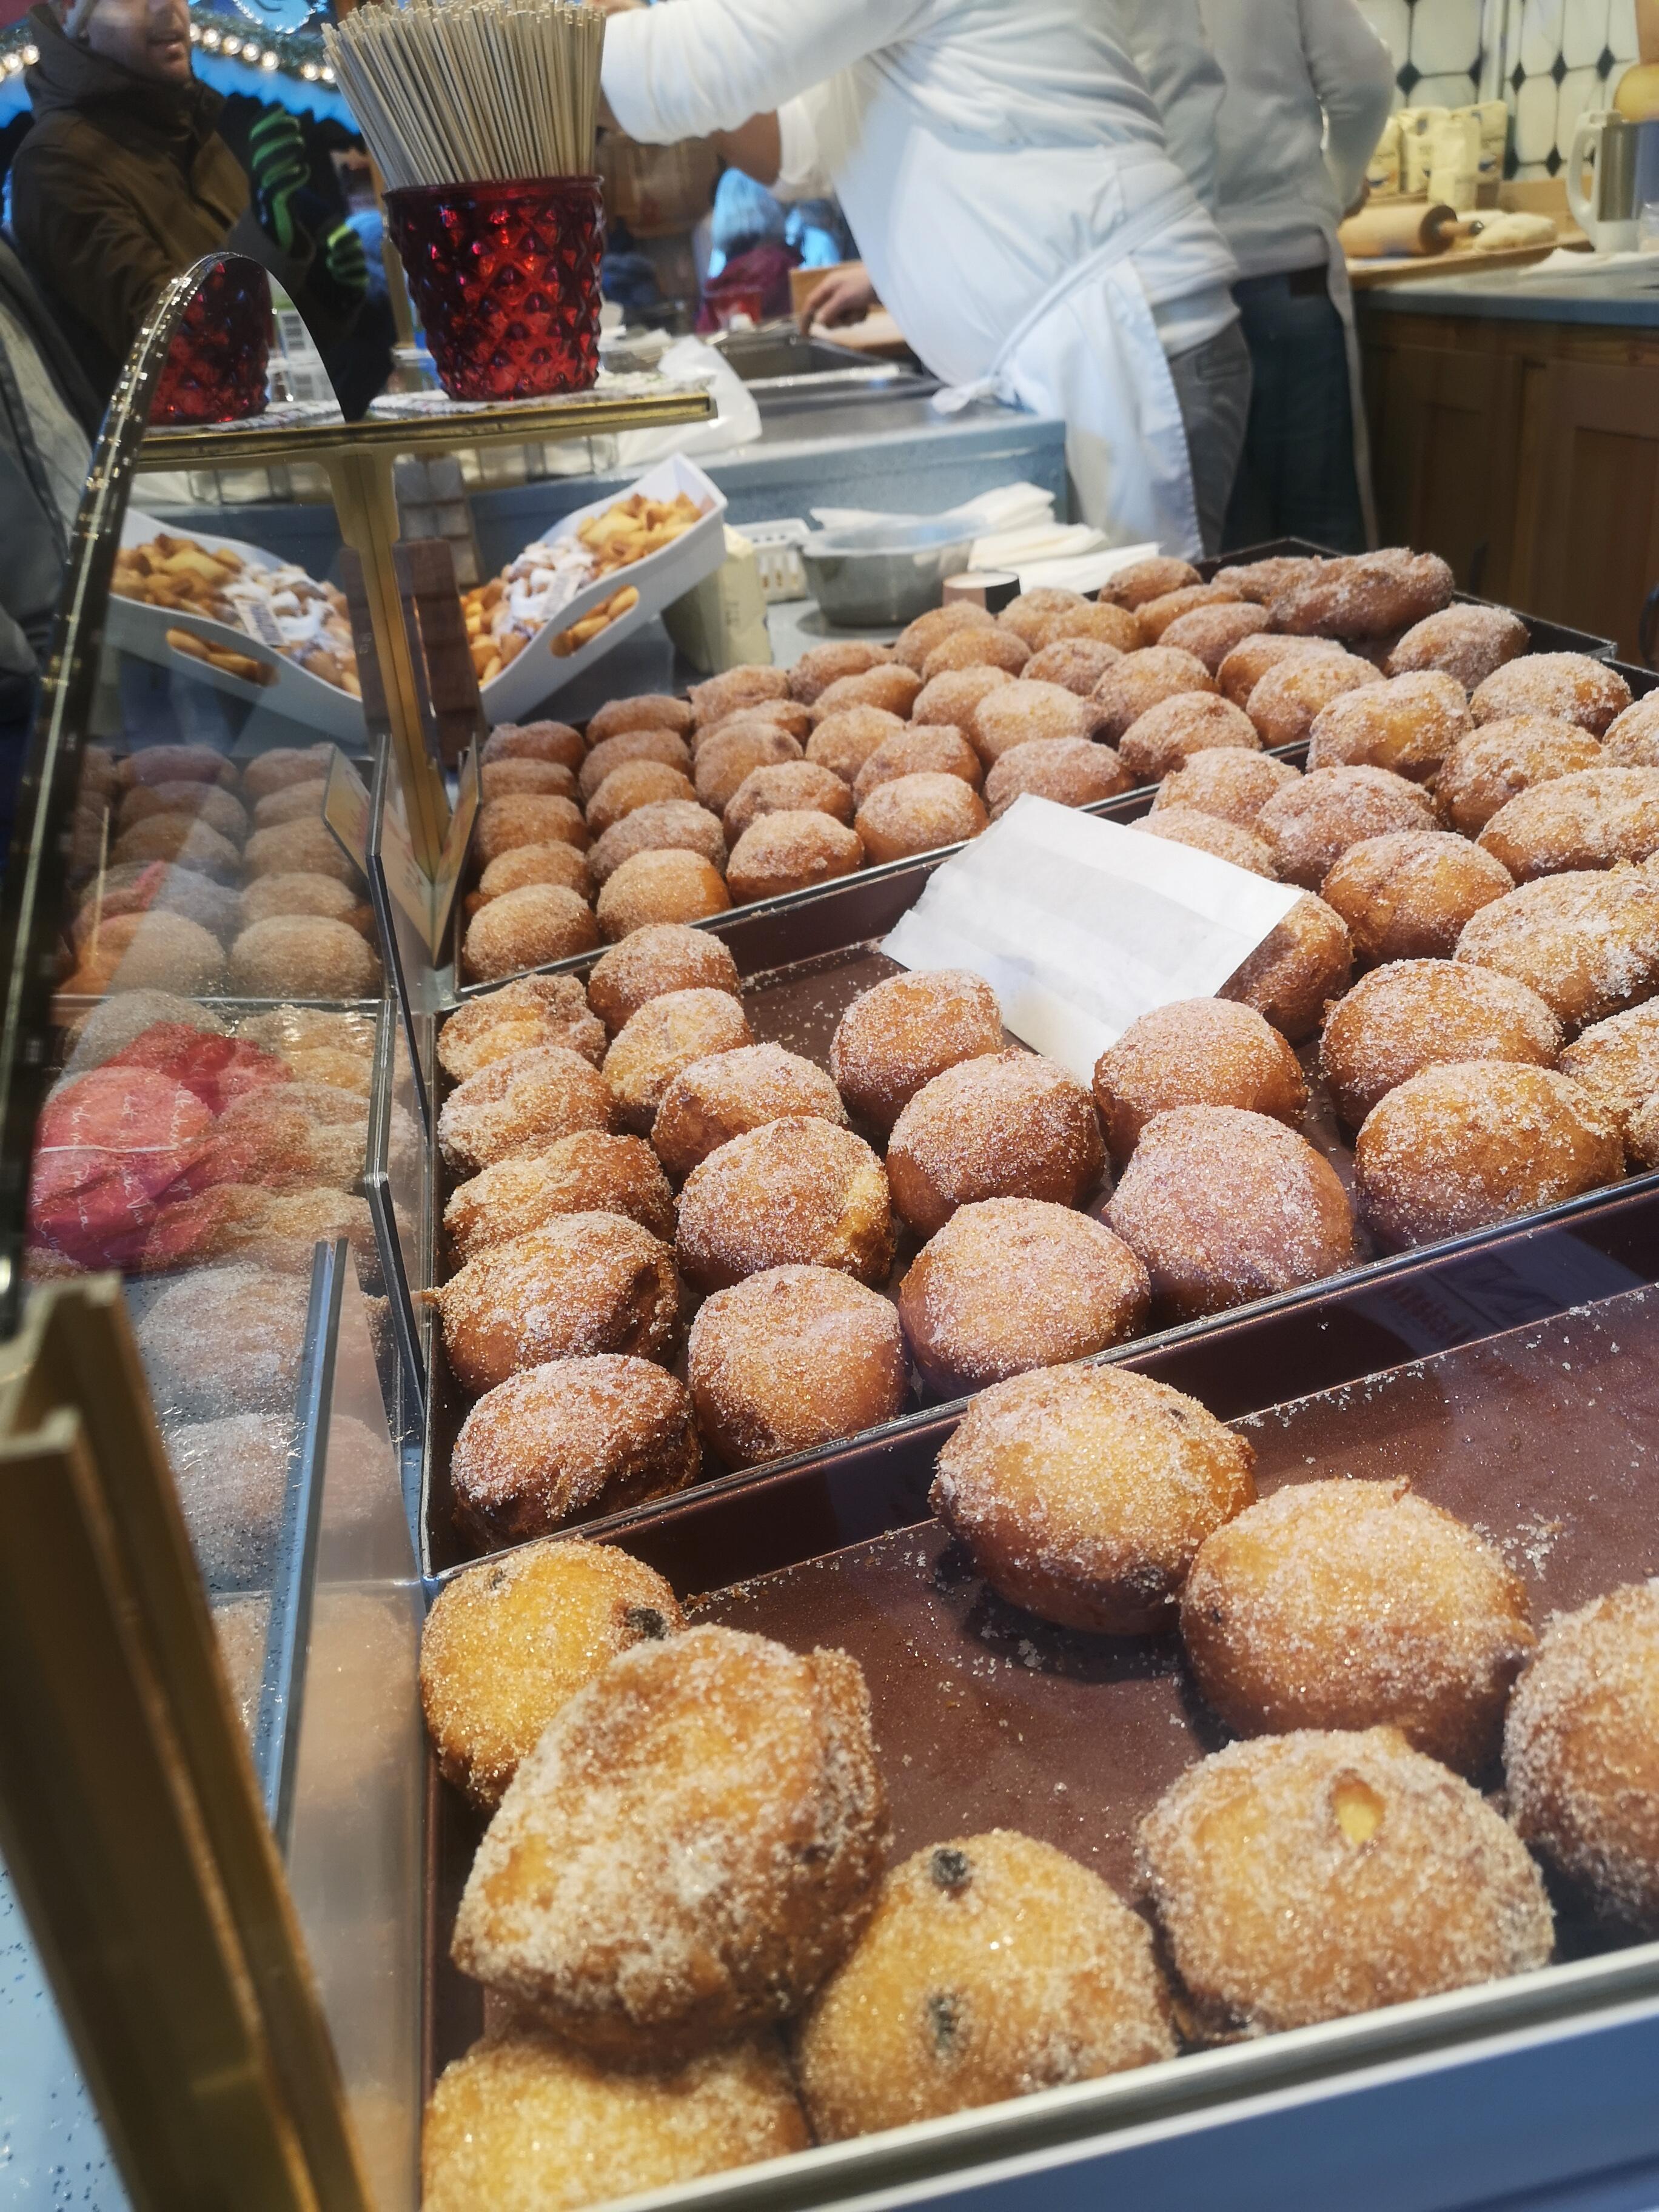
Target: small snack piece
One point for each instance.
(504, 823)
(583, 1283)
(1459, 1147)
(653, 710)
(1353, 1605)
(1311, 823)
(508, 779)
(524, 2121)
(508, 1643)
(1290, 698)
(558, 864)
(1084, 1492)
(1253, 656)
(666, 825)
(923, 749)
(1617, 1060)
(534, 741)
(1212, 630)
(1013, 1284)
(1006, 1125)
(917, 813)
(994, 648)
(521, 1104)
(303, 956)
(1633, 740)
(186, 839)
(1142, 680)
(893, 688)
(790, 851)
(842, 743)
(792, 1360)
(798, 1192)
(1079, 663)
(1028, 613)
(994, 1966)
(1207, 833)
(1408, 724)
(1288, 1876)
(1466, 643)
(1364, 594)
(1166, 735)
(1263, 581)
(952, 698)
(299, 894)
(820, 666)
(1019, 713)
(586, 1172)
(659, 885)
(268, 771)
(1483, 773)
(730, 1093)
(1581, 1754)
(801, 786)
(1224, 1205)
(634, 783)
(726, 695)
(1150, 579)
(1196, 1052)
(667, 1034)
(1154, 617)
(1232, 785)
(627, 746)
(726, 757)
(1418, 1014)
(1570, 687)
(915, 643)
(580, 1902)
(661, 957)
(904, 1032)
(1588, 944)
(534, 1010)
(1072, 771)
(1591, 820)
(526, 928)
(1407, 896)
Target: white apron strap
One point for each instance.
(1341, 293)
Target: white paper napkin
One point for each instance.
(1081, 926)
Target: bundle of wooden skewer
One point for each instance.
(452, 92)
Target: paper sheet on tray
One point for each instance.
(1081, 926)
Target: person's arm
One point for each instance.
(846, 296)
(1353, 76)
(88, 248)
(755, 146)
(1171, 51)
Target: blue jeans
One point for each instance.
(1296, 478)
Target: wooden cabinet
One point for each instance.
(1443, 431)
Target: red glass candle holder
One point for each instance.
(506, 280)
(214, 371)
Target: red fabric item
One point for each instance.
(755, 282)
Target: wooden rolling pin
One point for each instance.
(1378, 234)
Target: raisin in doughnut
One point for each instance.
(1142, 581)
(842, 743)
(663, 825)
(792, 1360)
(1311, 823)
(1364, 594)
(534, 1010)
(1232, 785)
(1195, 1051)
(1418, 1014)
(1483, 773)
(1016, 1283)
(728, 694)
(506, 1644)
(724, 759)
(918, 813)
(503, 823)
(1354, 1605)
(626, 747)
(510, 779)
(659, 885)
(1078, 663)
(798, 1192)
(995, 648)
(1581, 1754)
(790, 788)
(1407, 896)
(791, 851)
(1168, 734)
(904, 1032)
(1466, 643)
(651, 710)
(1084, 1492)
(1212, 631)
(994, 1966)
(1569, 687)
(1461, 1147)
(654, 961)
(715, 1100)
(820, 666)
(1007, 1125)
(924, 749)
(1408, 724)
(915, 643)
(1022, 712)
(1287, 1876)
(1253, 656)
(533, 863)
(1588, 944)
(1072, 771)
(587, 1172)
(1290, 695)
(1205, 833)
(667, 1034)
(526, 928)
(1617, 1060)
(534, 741)
(1633, 740)
(952, 698)
(1591, 820)
(1141, 680)
(521, 1104)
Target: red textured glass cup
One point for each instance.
(506, 280)
(214, 371)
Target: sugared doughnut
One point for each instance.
(790, 851)
(1208, 833)
(1084, 1492)
(1408, 724)
(1581, 1754)
(952, 698)
(1017, 1282)
(1253, 656)
(186, 764)
(724, 759)
(1139, 681)
(558, 864)
(661, 957)
(893, 688)
(253, 1318)
(653, 710)
(1483, 773)
(662, 884)
(1028, 613)
(1212, 631)
(1633, 740)
(1418, 1014)
(1142, 581)
(526, 928)
(1591, 820)
(1078, 663)
(728, 694)
(1364, 594)
(923, 749)
(665, 825)
(514, 778)
(302, 893)
(1588, 944)
(918, 813)
(1022, 712)
(1092, 622)
(902, 1033)
(915, 643)
(1312, 822)
(634, 783)
(730, 1093)
(186, 840)
(208, 803)
(1167, 735)
(1617, 1060)
(232, 1478)
(303, 956)
(1292, 694)
(1468, 643)
(994, 1966)
(1288, 1877)
(269, 771)
(1570, 687)
(792, 1360)
(534, 741)
(1642, 1135)
(628, 746)
(1355, 1605)
(1195, 1051)
(667, 1034)
(504, 823)
(995, 648)
(786, 714)
(759, 1763)
(790, 788)
(1263, 581)
(842, 743)
(1232, 785)
(521, 1104)
(508, 1643)
(1006, 1125)
(1072, 771)
(799, 1191)
(586, 1172)
(820, 666)
(288, 1030)
(154, 951)
(1407, 896)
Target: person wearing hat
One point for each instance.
(123, 181)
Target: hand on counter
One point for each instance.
(846, 296)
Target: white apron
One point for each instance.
(1341, 293)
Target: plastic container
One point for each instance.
(216, 368)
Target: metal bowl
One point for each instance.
(882, 573)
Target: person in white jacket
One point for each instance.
(1003, 167)
(1309, 86)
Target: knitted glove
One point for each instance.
(282, 171)
(345, 261)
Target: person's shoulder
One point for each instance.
(61, 135)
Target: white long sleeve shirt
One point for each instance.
(1309, 86)
(981, 150)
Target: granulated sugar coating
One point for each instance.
(283, 765)
(225, 1341)
(732, 690)
(231, 1476)
(650, 710)
(116, 1023)
(798, 1191)
(1224, 1206)
(669, 956)
(950, 698)
(1264, 579)
(1144, 581)
(666, 1035)
(724, 1096)
(1642, 1135)
(820, 666)
(521, 1104)
(1158, 615)
(1461, 1147)
(583, 1283)
(789, 788)
(786, 714)
(914, 644)
(1195, 1051)
(1591, 820)
(791, 851)
(917, 813)
(1312, 822)
(693, 1845)
(904, 1032)
(1587, 943)
(1292, 694)
(1211, 631)
(1484, 772)
(534, 1010)
(1131, 686)
(1006, 1125)
(1013, 1284)
(1084, 1492)
(1233, 786)
(572, 1437)
(298, 1135)
(659, 885)
(1028, 613)
(534, 741)
(665, 825)
(587, 1172)
(892, 687)
(523, 2124)
(1347, 1605)
(524, 929)
(842, 743)
(1408, 725)
(1311, 1876)
(508, 779)
(1207, 833)
(1168, 734)
(998, 646)
(504, 823)
(288, 1030)
(1079, 663)
(792, 1359)
(1618, 1060)
(1568, 685)
(663, 745)
(922, 749)
(1408, 895)
(1417, 1014)
(1466, 643)
(631, 784)
(508, 1642)
(1072, 771)
(994, 1966)
(1250, 660)
(1023, 712)
(1580, 1753)
(1632, 741)
(1364, 594)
